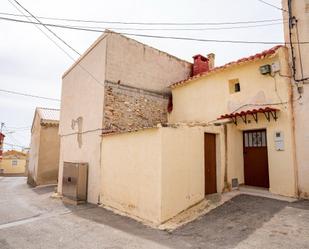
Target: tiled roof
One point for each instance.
(241, 61)
(248, 112)
(13, 153)
(47, 114)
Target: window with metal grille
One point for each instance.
(255, 139)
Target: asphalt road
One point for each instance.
(29, 218)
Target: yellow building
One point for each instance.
(226, 126)
(251, 98)
(13, 163)
(230, 125)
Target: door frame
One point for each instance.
(243, 142)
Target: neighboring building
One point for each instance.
(229, 125)
(117, 85)
(44, 148)
(13, 163)
(296, 31)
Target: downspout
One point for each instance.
(227, 186)
(299, 89)
(297, 191)
(103, 116)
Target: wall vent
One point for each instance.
(235, 183)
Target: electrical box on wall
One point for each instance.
(275, 67)
(279, 141)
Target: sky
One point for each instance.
(31, 63)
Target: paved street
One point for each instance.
(29, 218)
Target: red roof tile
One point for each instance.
(247, 112)
(257, 56)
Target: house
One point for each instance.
(13, 163)
(229, 125)
(296, 32)
(120, 85)
(43, 161)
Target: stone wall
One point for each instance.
(127, 108)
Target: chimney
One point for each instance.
(211, 60)
(200, 64)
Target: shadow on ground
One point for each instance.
(223, 227)
(43, 190)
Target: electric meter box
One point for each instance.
(279, 141)
(275, 67)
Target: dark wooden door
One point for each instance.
(210, 163)
(255, 158)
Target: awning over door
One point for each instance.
(269, 112)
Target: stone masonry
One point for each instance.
(127, 108)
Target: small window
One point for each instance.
(14, 162)
(234, 86)
(237, 87)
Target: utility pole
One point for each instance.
(1, 128)
(1, 140)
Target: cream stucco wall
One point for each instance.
(135, 64)
(183, 178)
(83, 97)
(207, 98)
(111, 59)
(44, 152)
(48, 159)
(300, 9)
(131, 173)
(154, 174)
(34, 150)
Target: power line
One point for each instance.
(147, 23)
(14, 145)
(159, 36)
(64, 51)
(18, 128)
(45, 34)
(28, 95)
(52, 32)
(274, 6)
(101, 29)
(11, 137)
(181, 29)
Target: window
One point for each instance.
(237, 87)
(234, 85)
(14, 162)
(255, 139)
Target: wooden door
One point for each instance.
(255, 158)
(210, 163)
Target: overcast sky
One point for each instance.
(30, 63)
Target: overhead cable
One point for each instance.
(100, 29)
(159, 36)
(147, 23)
(28, 95)
(274, 6)
(52, 32)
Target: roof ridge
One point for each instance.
(47, 108)
(144, 44)
(260, 55)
